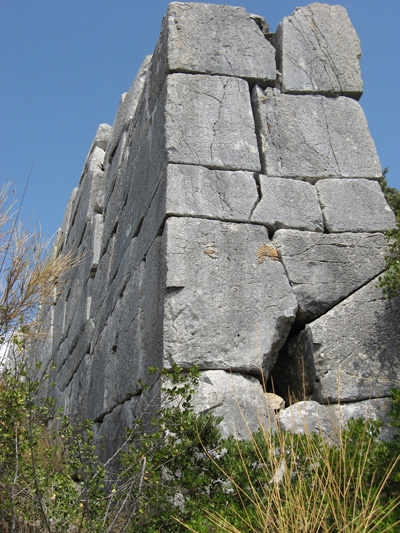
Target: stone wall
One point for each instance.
(232, 219)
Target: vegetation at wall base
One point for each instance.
(181, 475)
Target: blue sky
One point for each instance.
(64, 65)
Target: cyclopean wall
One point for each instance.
(231, 219)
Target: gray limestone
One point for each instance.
(349, 354)
(213, 39)
(326, 268)
(228, 302)
(313, 137)
(192, 256)
(127, 108)
(190, 190)
(238, 398)
(318, 51)
(287, 203)
(101, 137)
(354, 205)
(209, 122)
(329, 420)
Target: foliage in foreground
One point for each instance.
(184, 476)
(390, 280)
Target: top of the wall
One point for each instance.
(314, 51)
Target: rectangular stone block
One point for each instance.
(326, 268)
(354, 205)
(287, 203)
(228, 303)
(209, 122)
(215, 39)
(313, 137)
(318, 51)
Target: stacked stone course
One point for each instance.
(232, 219)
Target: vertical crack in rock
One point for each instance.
(259, 192)
(333, 150)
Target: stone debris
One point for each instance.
(231, 218)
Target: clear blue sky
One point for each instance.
(64, 65)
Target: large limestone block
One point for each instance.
(329, 420)
(88, 200)
(228, 302)
(213, 39)
(127, 108)
(189, 190)
(287, 203)
(313, 137)
(209, 122)
(326, 268)
(239, 399)
(350, 354)
(75, 397)
(354, 205)
(318, 51)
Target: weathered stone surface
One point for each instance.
(325, 268)
(287, 203)
(175, 220)
(197, 191)
(238, 398)
(111, 432)
(313, 137)
(88, 200)
(311, 417)
(62, 232)
(318, 51)
(127, 107)
(101, 138)
(209, 122)
(214, 39)
(354, 205)
(224, 288)
(350, 354)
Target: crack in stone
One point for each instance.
(329, 137)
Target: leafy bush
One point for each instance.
(390, 280)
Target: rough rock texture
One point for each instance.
(217, 40)
(312, 417)
(217, 110)
(238, 398)
(313, 137)
(354, 205)
(193, 256)
(349, 354)
(288, 203)
(213, 311)
(324, 269)
(318, 51)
